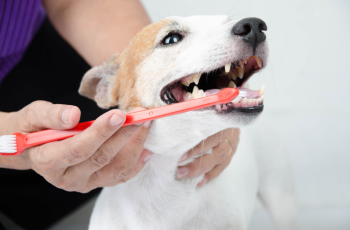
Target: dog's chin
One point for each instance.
(233, 117)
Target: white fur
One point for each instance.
(154, 199)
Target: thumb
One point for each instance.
(41, 115)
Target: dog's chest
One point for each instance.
(155, 200)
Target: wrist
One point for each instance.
(7, 124)
(7, 128)
(15, 162)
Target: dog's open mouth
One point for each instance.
(232, 75)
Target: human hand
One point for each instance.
(102, 155)
(224, 145)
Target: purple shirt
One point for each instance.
(19, 21)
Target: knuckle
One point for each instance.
(222, 153)
(33, 113)
(100, 134)
(125, 134)
(49, 115)
(65, 184)
(74, 151)
(102, 157)
(29, 117)
(45, 164)
(139, 140)
(123, 173)
(84, 190)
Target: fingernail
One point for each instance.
(181, 172)
(65, 116)
(147, 158)
(147, 124)
(203, 182)
(184, 157)
(115, 120)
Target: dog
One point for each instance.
(174, 60)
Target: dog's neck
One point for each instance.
(168, 139)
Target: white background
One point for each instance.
(307, 98)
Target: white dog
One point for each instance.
(174, 60)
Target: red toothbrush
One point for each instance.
(11, 145)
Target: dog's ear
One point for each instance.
(97, 83)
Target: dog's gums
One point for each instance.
(232, 75)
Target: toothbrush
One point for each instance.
(11, 145)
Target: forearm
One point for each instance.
(8, 127)
(5, 123)
(97, 29)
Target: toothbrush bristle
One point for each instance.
(8, 144)
(240, 96)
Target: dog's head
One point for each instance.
(179, 59)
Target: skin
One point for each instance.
(104, 154)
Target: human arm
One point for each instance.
(97, 29)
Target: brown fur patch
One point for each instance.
(123, 92)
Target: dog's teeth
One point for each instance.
(262, 90)
(227, 67)
(186, 81)
(195, 92)
(196, 78)
(246, 60)
(258, 60)
(189, 95)
(241, 64)
(232, 85)
(232, 75)
(240, 72)
(244, 101)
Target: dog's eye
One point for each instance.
(172, 38)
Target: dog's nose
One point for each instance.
(251, 30)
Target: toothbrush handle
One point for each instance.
(42, 137)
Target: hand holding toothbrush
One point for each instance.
(99, 156)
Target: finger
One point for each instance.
(206, 144)
(111, 147)
(80, 147)
(41, 115)
(206, 162)
(145, 156)
(218, 169)
(233, 137)
(215, 172)
(125, 164)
